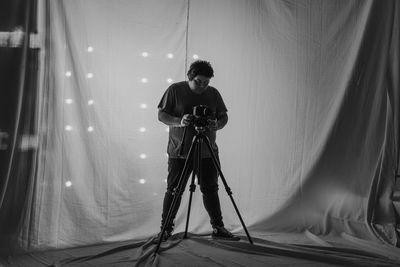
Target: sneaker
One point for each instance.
(219, 232)
(167, 234)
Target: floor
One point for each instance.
(268, 249)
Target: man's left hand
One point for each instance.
(213, 125)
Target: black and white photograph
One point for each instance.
(188, 133)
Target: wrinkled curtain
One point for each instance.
(312, 94)
(19, 98)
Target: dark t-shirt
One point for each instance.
(179, 100)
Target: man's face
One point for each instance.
(199, 83)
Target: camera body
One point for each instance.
(201, 115)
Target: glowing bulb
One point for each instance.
(170, 55)
(89, 75)
(90, 129)
(68, 183)
(165, 181)
(166, 154)
(68, 74)
(68, 101)
(169, 80)
(167, 129)
(144, 80)
(143, 156)
(68, 128)
(145, 54)
(142, 129)
(195, 56)
(143, 106)
(90, 49)
(142, 181)
(90, 102)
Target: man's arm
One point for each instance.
(219, 123)
(222, 120)
(168, 119)
(174, 121)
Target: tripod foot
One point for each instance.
(164, 237)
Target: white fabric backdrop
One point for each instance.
(306, 88)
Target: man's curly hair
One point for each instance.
(200, 67)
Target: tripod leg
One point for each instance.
(192, 184)
(178, 191)
(228, 190)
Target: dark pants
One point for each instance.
(208, 182)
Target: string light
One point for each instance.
(68, 74)
(143, 156)
(169, 80)
(89, 75)
(143, 106)
(167, 129)
(68, 101)
(68, 128)
(68, 183)
(90, 129)
(142, 181)
(195, 56)
(142, 129)
(90, 49)
(90, 102)
(170, 55)
(144, 80)
(145, 54)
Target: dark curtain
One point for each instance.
(18, 100)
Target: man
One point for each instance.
(175, 110)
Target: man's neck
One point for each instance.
(193, 88)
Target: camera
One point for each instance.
(201, 115)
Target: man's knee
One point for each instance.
(173, 191)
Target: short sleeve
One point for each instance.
(168, 101)
(221, 108)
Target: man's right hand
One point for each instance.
(186, 120)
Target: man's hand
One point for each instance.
(213, 125)
(186, 120)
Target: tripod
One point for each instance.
(178, 190)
